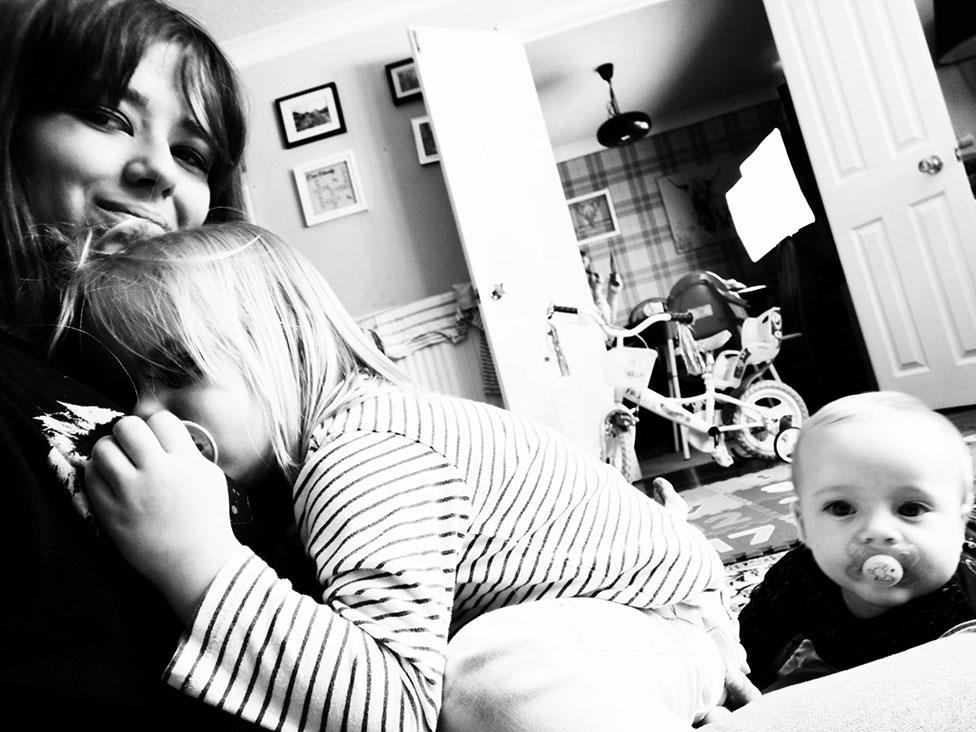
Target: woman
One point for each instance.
(110, 111)
(165, 148)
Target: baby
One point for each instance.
(884, 486)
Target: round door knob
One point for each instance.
(931, 165)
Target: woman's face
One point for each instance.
(143, 162)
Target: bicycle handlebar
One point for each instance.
(564, 309)
(677, 317)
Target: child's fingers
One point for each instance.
(136, 440)
(100, 493)
(111, 463)
(739, 691)
(171, 433)
(713, 715)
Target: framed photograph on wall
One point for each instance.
(403, 80)
(593, 216)
(694, 200)
(423, 137)
(310, 115)
(329, 188)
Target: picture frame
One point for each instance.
(329, 188)
(695, 204)
(404, 81)
(593, 216)
(423, 137)
(310, 115)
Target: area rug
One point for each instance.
(745, 516)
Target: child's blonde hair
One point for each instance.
(881, 405)
(231, 298)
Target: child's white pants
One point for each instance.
(578, 664)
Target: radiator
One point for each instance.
(462, 369)
(448, 368)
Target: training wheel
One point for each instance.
(785, 443)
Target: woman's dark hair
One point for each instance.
(57, 54)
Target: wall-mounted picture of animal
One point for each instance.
(593, 216)
(695, 203)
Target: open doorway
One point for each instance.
(708, 73)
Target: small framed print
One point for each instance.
(593, 216)
(310, 115)
(404, 82)
(423, 137)
(329, 188)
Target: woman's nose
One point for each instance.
(152, 169)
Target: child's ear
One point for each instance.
(798, 519)
(967, 504)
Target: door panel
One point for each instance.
(871, 110)
(514, 224)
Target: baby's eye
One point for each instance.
(913, 509)
(171, 378)
(175, 371)
(839, 508)
(105, 118)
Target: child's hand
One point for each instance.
(164, 505)
(739, 691)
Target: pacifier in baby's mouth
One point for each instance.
(203, 440)
(885, 565)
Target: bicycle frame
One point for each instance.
(704, 431)
(697, 414)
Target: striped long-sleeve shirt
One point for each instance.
(422, 512)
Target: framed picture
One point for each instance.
(329, 188)
(593, 216)
(694, 200)
(403, 80)
(310, 115)
(423, 137)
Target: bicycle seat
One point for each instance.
(715, 307)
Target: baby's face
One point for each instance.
(227, 409)
(872, 487)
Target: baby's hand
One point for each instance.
(164, 505)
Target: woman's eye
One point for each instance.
(193, 158)
(839, 508)
(912, 509)
(105, 118)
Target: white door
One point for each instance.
(871, 111)
(514, 224)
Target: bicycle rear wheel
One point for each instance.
(775, 399)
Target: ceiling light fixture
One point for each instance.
(622, 128)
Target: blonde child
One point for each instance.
(424, 516)
(884, 486)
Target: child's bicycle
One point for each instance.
(759, 416)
